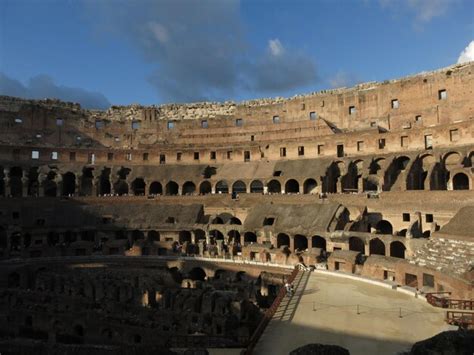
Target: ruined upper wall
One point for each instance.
(366, 107)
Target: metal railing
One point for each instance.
(268, 315)
(461, 319)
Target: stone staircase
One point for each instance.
(447, 255)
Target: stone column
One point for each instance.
(367, 248)
(41, 179)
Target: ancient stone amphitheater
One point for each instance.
(144, 229)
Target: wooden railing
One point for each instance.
(450, 303)
(268, 315)
(461, 319)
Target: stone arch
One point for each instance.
(274, 186)
(153, 236)
(87, 182)
(397, 249)
(318, 242)
(439, 177)
(384, 227)
(205, 188)
(460, 181)
(121, 187)
(199, 234)
(452, 159)
(217, 220)
(172, 188)
(50, 188)
(239, 187)
(256, 186)
(184, 236)
(292, 186)
(234, 236)
(376, 165)
(33, 184)
(396, 167)
(350, 181)
(138, 186)
(419, 171)
(155, 188)
(356, 244)
(105, 187)
(69, 184)
(235, 220)
(222, 187)
(189, 188)
(332, 176)
(137, 235)
(300, 242)
(217, 235)
(376, 246)
(310, 186)
(250, 237)
(283, 239)
(197, 274)
(16, 181)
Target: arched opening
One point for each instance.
(155, 188)
(256, 187)
(384, 227)
(292, 187)
(153, 236)
(301, 242)
(235, 220)
(332, 176)
(137, 235)
(222, 187)
(15, 241)
(104, 182)
(402, 233)
(138, 187)
(418, 172)
(274, 187)
(184, 237)
(53, 238)
(376, 246)
(217, 220)
(396, 167)
(250, 237)
(205, 188)
(356, 244)
(234, 237)
(350, 181)
(460, 182)
(33, 185)
(199, 234)
(172, 188)
(318, 242)
(197, 273)
(49, 185)
(239, 187)
(310, 186)
(189, 188)
(16, 181)
(397, 250)
(121, 187)
(283, 239)
(87, 180)
(69, 184)
(217, 235)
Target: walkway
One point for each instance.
(364, 318)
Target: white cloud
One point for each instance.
(159, 31)
(343, 79)
(467, 54)
(275, 46)
(426, 10)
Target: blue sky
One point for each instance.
(151, 52)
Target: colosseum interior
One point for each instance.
(171, 227)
